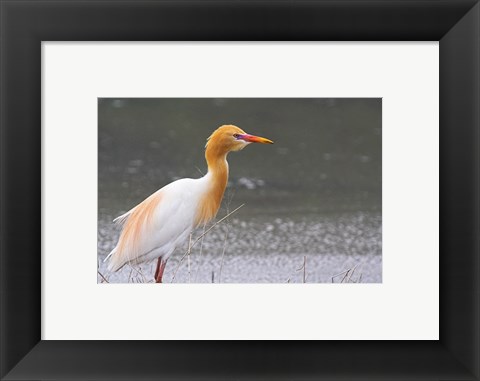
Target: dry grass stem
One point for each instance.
(200, 237)
(223, 254)
(230, 197)
(200, 171)
(348, 275)
(200, 254)
(351, 274)
(103, 278)
(304, 268)
(140, 277)
(345, 276)
(188, 256)
(337, 275)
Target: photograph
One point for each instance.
(239, 190)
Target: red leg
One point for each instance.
(158, 268)
(159, 272)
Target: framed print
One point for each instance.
(215, 61)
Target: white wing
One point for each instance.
(156, 226)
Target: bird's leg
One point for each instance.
(158, 268)
(159, 272)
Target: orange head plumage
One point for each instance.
(229, 138)
(223, 140)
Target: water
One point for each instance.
(314, 196)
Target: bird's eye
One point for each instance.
(236, 136)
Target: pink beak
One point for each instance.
(254, 139)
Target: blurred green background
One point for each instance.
(327, 152)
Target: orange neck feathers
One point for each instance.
(218, 169)
(216, 156)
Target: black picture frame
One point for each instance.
(25, 24)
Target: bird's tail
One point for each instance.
(113, 263)
(109, 255)
(121, 219)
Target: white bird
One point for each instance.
(164, 220)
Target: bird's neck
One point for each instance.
(217, 166)
(217, 177)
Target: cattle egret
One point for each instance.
(164, 220)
